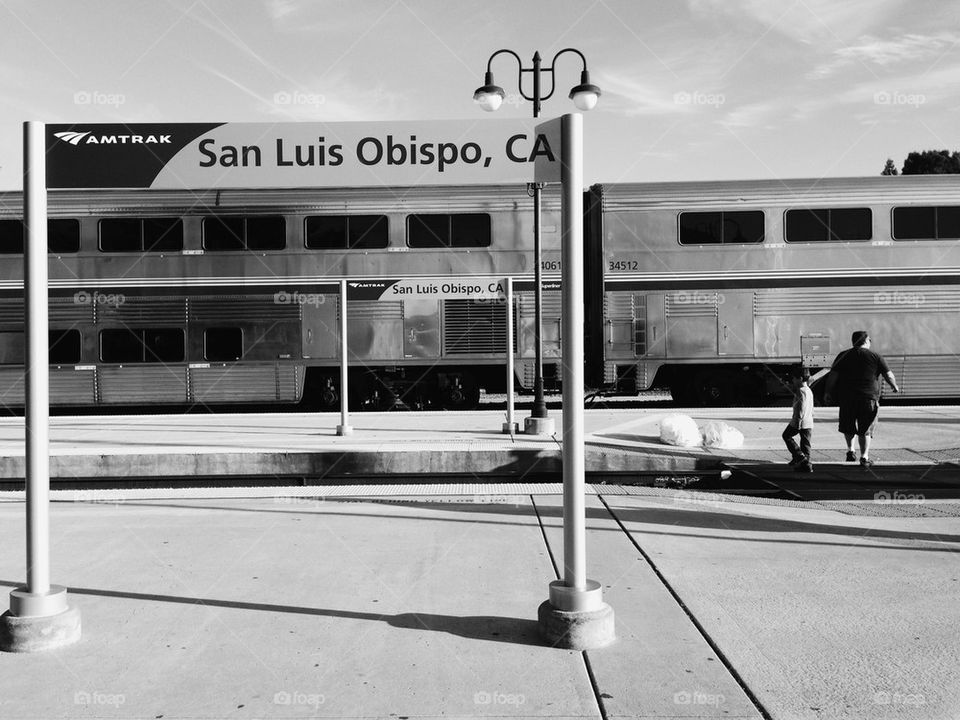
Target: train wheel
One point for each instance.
(368, 392)
(459, 392)
(320, 394)
(714, 388)
(329, 396)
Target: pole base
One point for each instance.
(586, 630)
(576, 619)
(36, 623)
(510, 428)
(538, 426)
(344, 430)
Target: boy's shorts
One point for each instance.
(858, 416)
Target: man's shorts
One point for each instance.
(858, 415)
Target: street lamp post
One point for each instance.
(490, 97)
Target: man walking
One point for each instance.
(859, 370)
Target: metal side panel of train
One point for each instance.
(716, 290)
(224, 296)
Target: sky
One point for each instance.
(691, 89)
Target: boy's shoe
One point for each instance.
(851, 456)
(865, 463)
(804, 467)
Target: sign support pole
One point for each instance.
(39, 617)
(575, 615)
(510, 426)
(344, 427)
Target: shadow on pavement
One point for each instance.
(474, 627)
(687, 512)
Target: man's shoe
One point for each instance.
(797, 459)
(851, 456)
(865, 463)
(804, 467)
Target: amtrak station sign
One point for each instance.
(265, 155)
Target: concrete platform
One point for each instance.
(389, 606)
(470, 445)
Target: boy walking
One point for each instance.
(801, 423)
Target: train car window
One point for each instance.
(120, 235)
(141, 235)
(121, 346)
(926, 223)
(223, 344)
(11, 237)
(142, 345)
(326, 232)
(162, 234)
(223, 233)
(807, 226)
(266, 233)
(948, 223)
(461, 230)
(63, 236)
(64, 347)
(238, 233)
(470, 230)
(828, 224)
(367, 232)
(342, 232)
(851, 224)
(721, 228)
(428, 231)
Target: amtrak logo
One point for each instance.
(86, 138)
(378, 285)
(73, 138)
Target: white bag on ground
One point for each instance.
(679, 430)
(719, 434)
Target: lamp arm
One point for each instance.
(520, 71)
(553, 65)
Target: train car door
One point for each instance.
(421, 328)
(320, 332)
(656, 345)
(691, 317)
(735, 323)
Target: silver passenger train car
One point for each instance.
(213, 298)
(715, 289)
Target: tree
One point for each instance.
(931, 162)
(890, 168)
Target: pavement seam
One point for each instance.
(696, 623)
(543, 534)
(595, 685)
(586, 659)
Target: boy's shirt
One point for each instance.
(803, 408)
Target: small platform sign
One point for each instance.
(443, 288)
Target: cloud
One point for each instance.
(910, 48)
(332, 100)
(871, 101)
(760, 114)
(625, 95)
(806, 21)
